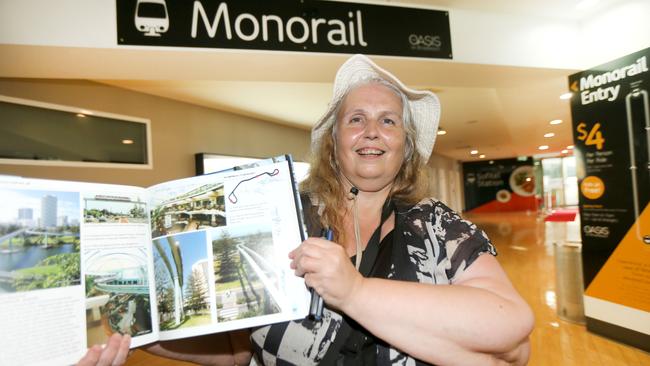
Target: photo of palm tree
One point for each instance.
(246, 277)
(182, 272)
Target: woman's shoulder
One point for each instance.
(431, 216)
(430, 208)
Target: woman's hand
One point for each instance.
(328, 270)
(113, 354)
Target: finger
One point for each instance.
(109, 352)
(305, 265)
(122, 351)
(309, 279)
(320, 242)
(91, 356)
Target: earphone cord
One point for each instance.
(357, 232)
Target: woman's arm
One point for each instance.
(479, 320)
(220, 349)
(480, 317)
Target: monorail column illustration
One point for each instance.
(174, 267)
(182, 288)
(611, 121)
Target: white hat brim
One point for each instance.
(424, 105)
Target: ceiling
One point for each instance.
(502, 111)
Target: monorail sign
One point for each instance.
(305, 26)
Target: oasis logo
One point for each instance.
(425, 42)
(596, 231)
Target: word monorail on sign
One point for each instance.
(248, 27)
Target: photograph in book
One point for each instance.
(117, 293)
(115, 209)
(193, 209)
(39, 240)
(243, 256)
(182, 267)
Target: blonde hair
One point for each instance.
(324, 182)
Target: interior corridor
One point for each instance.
(525, 246)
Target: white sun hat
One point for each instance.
(424, 105)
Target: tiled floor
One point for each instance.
(526, 252)
(525, 246)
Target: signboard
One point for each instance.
(499, 185)
(304, 26)
(611, 129)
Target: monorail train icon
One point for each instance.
(151, 17)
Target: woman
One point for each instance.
(365, 184)
(385, 277)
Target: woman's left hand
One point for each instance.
(113, 354)
(328, 270)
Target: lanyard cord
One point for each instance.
(385, 213)
(357, 232)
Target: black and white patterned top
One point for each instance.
(434, 245)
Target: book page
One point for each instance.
(46, 240)
(221, 244)
(117, 263)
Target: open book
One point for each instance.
(206, 254)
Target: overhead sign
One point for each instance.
(611, 122)
(304, 26)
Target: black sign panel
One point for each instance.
(499, 185)
(611, 120)
(612, 136)
(304, 26)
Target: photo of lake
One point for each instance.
(39, 239)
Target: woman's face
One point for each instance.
(370, 137)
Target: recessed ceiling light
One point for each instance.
(491, 162)
(565, 151)
(81, 115)
(127, 142)
(556, 122)
(550, 134)
(474, 152)
(543, 147)
(570, 147)
(566, 96)
(442, 131)
(86, 112)
(482, 156)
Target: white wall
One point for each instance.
(477, 37)
(445, 181)
(621, 30)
